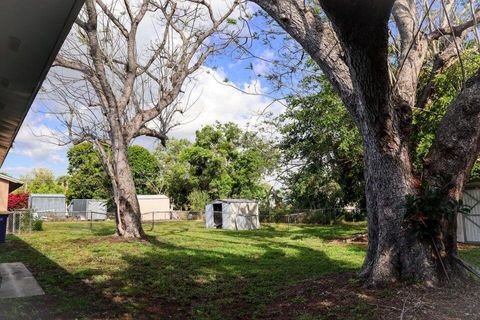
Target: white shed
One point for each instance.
(468, 225)
(48, 205)
(88, 209)
(232, 214)
(154, 207)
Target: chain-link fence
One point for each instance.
(156, 217)
(20, 221)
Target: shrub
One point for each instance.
(198, 200)
(37, 225)
(17, 201)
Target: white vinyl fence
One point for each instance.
(468, 225)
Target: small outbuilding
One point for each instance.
(468, 225)
(154, 207)
(48, 205)
(88, 209)
(232, 214)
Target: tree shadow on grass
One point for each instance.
(200, 283)
(299, 232)
(169, 279)
(67, 295)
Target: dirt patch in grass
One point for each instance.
(359, 238)
(341, 296)
(107, 239)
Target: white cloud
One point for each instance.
(216, 102)
(37, 141)
(222, 102)
(17, 171)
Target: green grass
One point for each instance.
(471, 254)
(184, 271)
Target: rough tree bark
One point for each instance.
(351, 48)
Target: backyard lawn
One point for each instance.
(187, 272)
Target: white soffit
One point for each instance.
(31, 34)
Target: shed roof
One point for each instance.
(31, 34)
(14, 184)
(152, 196)
(235, 201)
(46, 195)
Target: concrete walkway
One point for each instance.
(17, 282)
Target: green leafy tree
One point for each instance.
(323, 150)
(40, 180)
(350, 41)
(87, 177)
(223, 162)
(198, 200)
(175, 178)
(145, 170)
(88, 180)
(230, 163)
(444, 88)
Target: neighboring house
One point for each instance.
(232, 214)
(7, 186)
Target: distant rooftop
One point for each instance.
(14, 183)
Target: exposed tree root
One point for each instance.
(470, 268)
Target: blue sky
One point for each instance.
(34, 146)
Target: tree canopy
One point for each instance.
(322, 149)
(87, 177)
(88, 180)
(223, 162)
(40, 180)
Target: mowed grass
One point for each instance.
(184, 271)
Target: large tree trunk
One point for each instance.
(357, 66)
(395, 251)
(129, 224)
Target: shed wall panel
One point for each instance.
(468, 229)
(236, 215)
(159, 206)
(46, 206)
(87, 209)
(209, 222)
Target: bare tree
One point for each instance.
(349, 40)
(113, 84)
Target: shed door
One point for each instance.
(218, 215)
